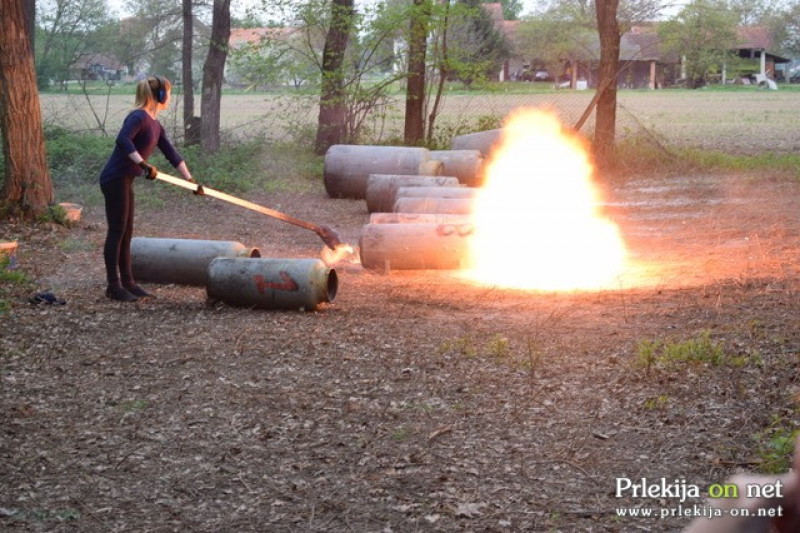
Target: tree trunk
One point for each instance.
(191, 123)
(30, 16)
(213, 72)
(331, 121)
(415, 88)
(27, 185)
(606, 117)
(443, 72)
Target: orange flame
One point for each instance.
(536, 219)
(342, 251)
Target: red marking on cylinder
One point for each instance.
(286, 283)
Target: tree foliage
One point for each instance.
(704, 34)
(477, 48)
(511, 8)
(784, 25)
(278, 57)
(293, 51)
(564, 33)
(66, 30)
(160, 24)
(752, 12)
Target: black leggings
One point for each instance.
(119, 214)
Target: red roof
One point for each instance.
(240, 36)
(756, 37)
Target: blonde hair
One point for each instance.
(147, 89)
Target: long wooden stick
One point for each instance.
(327, 234)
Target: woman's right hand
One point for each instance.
(150, 171)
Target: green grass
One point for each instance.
(134, 405)
(715, 160)
(639, 153)
(76, 244)
(13, 281)
(76, 161)
(776, 445)
(495, 346)
(698, 351)
(45, 515)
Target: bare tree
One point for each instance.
(68, 32)
(415, 86)
(191, 124)
(213, 71)
(441, 50)
(331, 121)
(27, 186)
(606, 115)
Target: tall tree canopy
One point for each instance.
(704, 33)
(477, 46)
(68, 29)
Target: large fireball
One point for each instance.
(537, 224)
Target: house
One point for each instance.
(643, 64)
(97, 67)
(755, 43)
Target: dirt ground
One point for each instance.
(415, 401)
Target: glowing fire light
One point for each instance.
(536, 220)
(332, 257)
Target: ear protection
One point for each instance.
(160, 92)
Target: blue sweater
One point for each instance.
(140, 133)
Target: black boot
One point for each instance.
(117, 292)
(137, 291)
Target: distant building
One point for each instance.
(98, 67)
(755, 43)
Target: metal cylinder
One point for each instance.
(435, 192)
(444, 206)
(381, 188)
(483, 141)
(180, 261)
(347, 167)
(466, 165)
(414, 246)
(431, 167)
(271, 283)
(416, 218)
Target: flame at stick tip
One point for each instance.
(342, 251)
(536, 220)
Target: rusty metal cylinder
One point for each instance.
(415, 218)
(466, 165)
(414, 246)
(347, 167)
(483, 141)
(381, 188)
(271, 283)
(457, 193)
(180, 261)
(442, 206)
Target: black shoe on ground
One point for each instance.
(116, 292)
(138, 291)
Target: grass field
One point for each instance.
(743, 121)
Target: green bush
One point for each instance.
(76, 161)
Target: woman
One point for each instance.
(138, 138)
